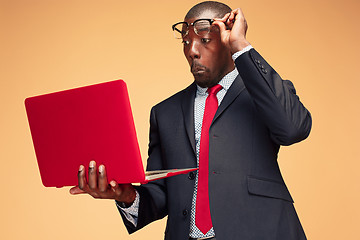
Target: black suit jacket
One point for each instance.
(248, 197)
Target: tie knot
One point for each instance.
(215, 89)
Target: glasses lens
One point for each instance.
(202, 27)
(180, 30)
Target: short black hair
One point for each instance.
(220, 9)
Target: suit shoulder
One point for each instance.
(176, 98)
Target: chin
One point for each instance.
(204, 81)
(201, 83)
(201, 80)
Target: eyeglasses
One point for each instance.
(201, 28)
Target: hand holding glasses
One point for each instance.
(232, 28)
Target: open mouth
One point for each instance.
(198, 71)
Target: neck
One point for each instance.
(229, 70)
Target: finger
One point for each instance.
(242, 17)
(81, 177)
(221, 25)
(240, 14)
(235, 15)
(231, 17)
(116, 189)
(92, 175)
(102, 180)
(229, 24)
(223, 19)
(76, 190)
(239, 17)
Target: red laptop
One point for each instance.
(76, 126)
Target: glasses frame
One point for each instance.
(189, 24)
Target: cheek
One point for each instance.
(186, 54)
(210, 60)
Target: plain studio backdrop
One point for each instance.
(49, 45)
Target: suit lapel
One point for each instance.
(187, 105)
(235, 89)
(188, 100)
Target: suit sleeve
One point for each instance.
(275, 99)
(153, 201)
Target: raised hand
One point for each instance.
(233, 27)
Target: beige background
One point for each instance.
(49, 45)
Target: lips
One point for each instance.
(197, 69)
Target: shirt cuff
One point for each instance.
(244, 50)
(131, 213)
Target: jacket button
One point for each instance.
(185, 212)
(191, 175)
(264, 71)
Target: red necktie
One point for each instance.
(202, 210)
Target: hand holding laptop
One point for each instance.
(98, 186)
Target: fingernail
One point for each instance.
(92, 164)
(113, 183)
(81, 168)
(101, 168)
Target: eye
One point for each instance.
(186, 42)
(205, 40)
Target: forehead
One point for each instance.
(204, 14)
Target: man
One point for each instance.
(230, 122)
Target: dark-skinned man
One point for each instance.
(230, 122)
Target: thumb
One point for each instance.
(76, 190)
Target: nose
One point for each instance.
(194, 50)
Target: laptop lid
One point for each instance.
(76, 126)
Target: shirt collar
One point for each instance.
(225, 82)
